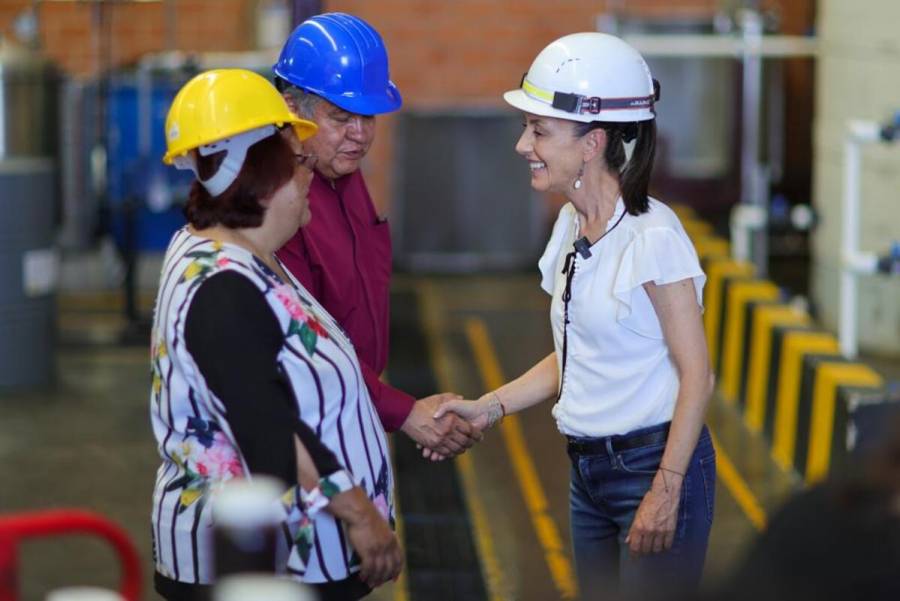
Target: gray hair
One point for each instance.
(304, 101)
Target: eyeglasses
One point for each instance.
(306, 160)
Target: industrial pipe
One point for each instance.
(853, 261)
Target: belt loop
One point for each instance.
(609, 448)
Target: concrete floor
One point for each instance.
(86, 442)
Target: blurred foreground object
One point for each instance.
(247, 522)
(244, 587)
(16, 528)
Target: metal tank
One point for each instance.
(29, 262)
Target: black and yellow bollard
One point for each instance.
(695, 228)
(710, 246)
(830, 409)
(738, 294)
(717, 272)
(764, 318)
(795, 345)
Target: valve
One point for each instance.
(890, 263)
(891, 131)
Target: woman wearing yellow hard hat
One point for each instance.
(630, 375)
(250, 374)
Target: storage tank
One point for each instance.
(29, 262)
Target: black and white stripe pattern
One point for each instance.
(331, 399)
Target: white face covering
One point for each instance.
(235, 148)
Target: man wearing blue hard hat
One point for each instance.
(333, 70)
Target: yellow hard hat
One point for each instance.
(222, 103)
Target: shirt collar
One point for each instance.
(338, 185)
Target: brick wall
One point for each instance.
(443, 52)
(471, 51)
(70, 31)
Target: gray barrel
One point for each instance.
(28, 103)
(29, 270)
(29, 262)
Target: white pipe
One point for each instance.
(745, 219)
(853, 262)
(720, 45)
(754, 187)
(847, 320)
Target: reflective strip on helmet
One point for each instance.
(575, 103)
(536, 92)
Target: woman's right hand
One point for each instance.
(370, 535)
(479, 413)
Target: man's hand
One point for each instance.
(445, 437)
(370, 535)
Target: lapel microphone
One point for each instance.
(583, 246)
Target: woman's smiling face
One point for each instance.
(553, 152)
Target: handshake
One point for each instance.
(445, 425)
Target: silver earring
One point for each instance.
(577, 183)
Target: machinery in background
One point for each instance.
(441, 222)
(712, 73)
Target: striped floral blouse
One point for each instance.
(297, 373)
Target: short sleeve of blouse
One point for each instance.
(662, 255)
(550, 259)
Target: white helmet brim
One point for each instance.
(588, 77)
(521, 100)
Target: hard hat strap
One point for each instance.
(578, 104)
(236, 148)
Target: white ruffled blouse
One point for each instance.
(618, 376)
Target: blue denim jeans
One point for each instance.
(604, 496)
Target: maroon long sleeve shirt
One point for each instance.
(343, 257)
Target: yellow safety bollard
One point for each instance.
(738, 295)
(717, 271)
(824, 439)
(795, 345)
(711, 246)
(764, 319)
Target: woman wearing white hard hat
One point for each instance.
(630, 373)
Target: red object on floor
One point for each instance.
(39, 524)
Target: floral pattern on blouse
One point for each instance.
(303, 323)
(158, 352)
(206, 457)
(203, 262)
(303, 530)
(381, 495)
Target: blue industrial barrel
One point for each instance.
(136, 113)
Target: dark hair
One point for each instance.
(635, 178)
(269, 165)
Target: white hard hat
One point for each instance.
(588, 77)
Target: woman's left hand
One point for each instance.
(653, 528)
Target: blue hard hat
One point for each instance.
(342, 59)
